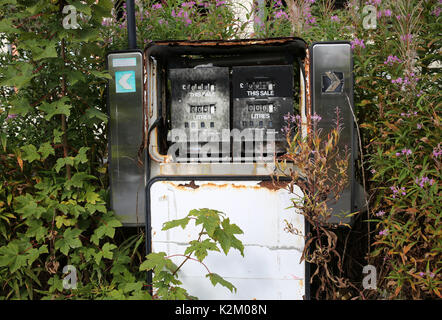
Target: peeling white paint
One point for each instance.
(270, 268)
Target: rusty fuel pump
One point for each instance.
(197, 124)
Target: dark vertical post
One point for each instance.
(131, 28)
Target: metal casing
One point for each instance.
(332, 87)
(125, 105)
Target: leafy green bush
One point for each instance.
(53, 153)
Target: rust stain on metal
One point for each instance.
(269, 185)
(191, 184)
(274, 185)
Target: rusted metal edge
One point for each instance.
(238, 42)
(269, 185)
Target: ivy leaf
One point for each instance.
(69, 241)
(30, 153)
(201, 248)
(215, 279)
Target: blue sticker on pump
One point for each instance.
(125, 81)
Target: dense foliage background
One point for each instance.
(53, 152)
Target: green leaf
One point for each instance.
(107, 227)
(69, 241)
(48, 52)
(215, 279)
(175, 223)
(61, 162)
(107, 250)
(201, 248)
(57, 107)
(45, 150)
(208, 218)
(31, 209)
(36, 229)
(155, 262)
(78, 179)
(94, 113)
(81, 157)
(30, 153)
(57, 136)
(101, 74)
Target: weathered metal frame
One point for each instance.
(161, 164)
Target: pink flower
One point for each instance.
(280, 14)
(188, 4)
(387, 13)
(380, 213)
(335, 18)
(157, 6)
(357, 42)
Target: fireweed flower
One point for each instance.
(387, 13)
(220, 3)
(380, 213)
(335, 18)
(316, 118)
(280, 14)
(391, 60)
(157, 6)
(383, 232)
(424, 181)
(189, 4)
(437, 151)
(373, 2)
(357, 42)
(277, 4)
(407, 37)
(397, 192)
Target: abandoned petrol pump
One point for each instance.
(174, 112)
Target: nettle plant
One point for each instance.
(216, 232)
(316, 164)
